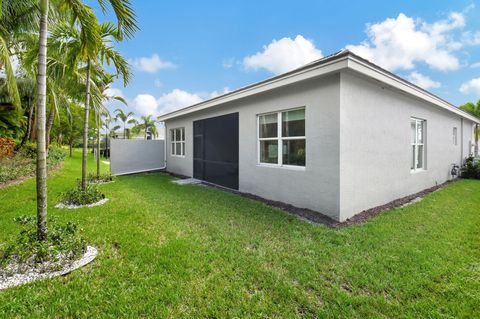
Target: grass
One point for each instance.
(191, 251)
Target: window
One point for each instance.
(417, 138)
(454, 136)
(281, 138)
(177, 141)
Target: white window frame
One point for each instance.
(280, 140)
(174, 141)
(416, 144)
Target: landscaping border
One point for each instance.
(21, 279)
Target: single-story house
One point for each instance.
(339, 136)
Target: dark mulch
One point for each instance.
(319, 218)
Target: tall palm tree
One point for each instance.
(103, 53)
(41, 125)
(124, 117)
(84, 16)
(474, 109)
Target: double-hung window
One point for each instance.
(417, 128)
(177, 141)
(284, 131)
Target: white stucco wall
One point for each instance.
(317, 186)
(375, 144)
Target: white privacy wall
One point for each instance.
(133, 156)
(375, 144)
(317, 186)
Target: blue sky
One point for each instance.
(188, 51)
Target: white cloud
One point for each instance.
(228, 63)
(475, 65)
(399, 43)
(472, 86)
(152, 64)
(471, 38)
(145, 104)
(423, 81)
(177, 99)
(111, 92)
(283, 55)
(157, 83)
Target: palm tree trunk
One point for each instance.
(85, 129)
(41, 146)
(98, 146)
(51, 118)
(29, 127)
(124, 130)
(476, 138)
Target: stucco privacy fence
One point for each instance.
(136, 156)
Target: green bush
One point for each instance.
(28, 150)
(56, 154)
(63, 243)
(102, 178)
(23, 164)
(471, 169)
(77, 196)
(15, 167)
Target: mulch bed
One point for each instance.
(319, 218)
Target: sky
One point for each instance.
(189, 51)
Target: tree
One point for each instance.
(474, 109)
(148, 125)
(124, 117)
(84, 16)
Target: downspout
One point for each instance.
(461, 141)
(164, 145)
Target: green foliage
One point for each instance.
(23, 164)
(471, 169)
(77, 196)
(56, 154)
(15, 167)
(102, 178)
(196, 252)
(63, 242)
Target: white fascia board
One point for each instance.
(402, 85)
(267, 85)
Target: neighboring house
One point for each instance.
(338, 136)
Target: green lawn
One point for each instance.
(195, 252)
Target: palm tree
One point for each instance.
(147, 124)
(90, 39)
(124, 117)
(474, 109)
(41, 125)
(103, 53)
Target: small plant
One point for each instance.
(56, 155)
(63, 245)
(102, 178)
(471, 169)
(77, 196)
(7, 146)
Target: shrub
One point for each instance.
(56, 154)
(15, 167)
(28, 150)
(7, 146)
(77, 196)
(471, 168)
(102, 178)
(23, 163)
(63, 244)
